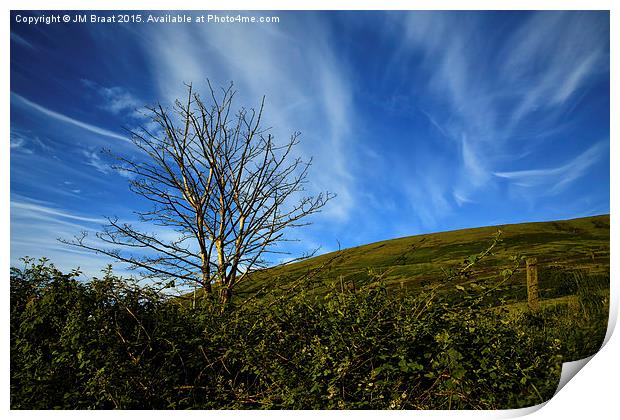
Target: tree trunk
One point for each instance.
(226, 295)
(206, 279)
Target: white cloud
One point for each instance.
(35, 227)
(475, 170)
(485, 94)
(18, 143)
(95, 161)
(557, 178)
(21, 41)
(550, 58)
(25, 142)
(117, 100)
(576, 76)
(461, 198)
(306, 85)
(40, 211)
(61, 117)
(428, 201)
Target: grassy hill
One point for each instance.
(414, 262)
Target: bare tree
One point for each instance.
(221, 182)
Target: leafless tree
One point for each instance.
(218, 179)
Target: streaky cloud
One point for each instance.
(40, 209)
(21, 41)
(66, 119)
(558, 177)
(313, 86)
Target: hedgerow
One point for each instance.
(106, 344)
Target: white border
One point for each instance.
(592, 393)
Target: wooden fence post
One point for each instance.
(532, 283)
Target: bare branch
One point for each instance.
(221, 185)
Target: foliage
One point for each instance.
(107, 343)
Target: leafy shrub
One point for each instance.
(109, 344)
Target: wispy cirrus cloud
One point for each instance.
(306, 84)
(18, 143)
(21, 41)
(21, 101)
(93, 159)
(550, 58)
(26, 142)
(38, 209)
(41, 224)
(117, 100)
(36, 226)
(485, 95)
(556, 179)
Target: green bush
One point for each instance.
(109, 344)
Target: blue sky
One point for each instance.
(419, 121)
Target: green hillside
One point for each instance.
(413, 262)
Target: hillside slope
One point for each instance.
(415, 261)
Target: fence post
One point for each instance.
(532, 283)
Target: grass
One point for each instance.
(414, 262)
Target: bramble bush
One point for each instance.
(107, 343)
